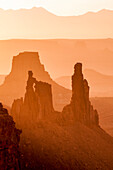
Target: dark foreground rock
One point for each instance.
(9, 142)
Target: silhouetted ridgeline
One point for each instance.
(9, 142)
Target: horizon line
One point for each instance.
(36, 7)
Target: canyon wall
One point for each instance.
(9, 142)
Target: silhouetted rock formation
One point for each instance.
(21, 64)
(9, 142)
(36, 105)
(80, 107)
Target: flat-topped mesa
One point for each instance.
(21, 63)
(80, 105)
(37, 103)
(9, 142)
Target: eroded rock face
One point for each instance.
(9, 142)
(17, 78)
(80, 105)
(36, 105)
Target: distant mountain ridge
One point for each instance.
(38, 23)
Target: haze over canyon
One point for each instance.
(38, 23)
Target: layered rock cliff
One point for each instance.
(9, 142)
(17, 78)
(36, 105)
(80, 108)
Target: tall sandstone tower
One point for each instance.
(80, 108)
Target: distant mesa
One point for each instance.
(59, 54)
(15, 83)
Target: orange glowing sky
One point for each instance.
(60, 7)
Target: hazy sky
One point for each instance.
(60, 7)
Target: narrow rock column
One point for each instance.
(80, 108)
(78, 94)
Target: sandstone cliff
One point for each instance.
(9, 142)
